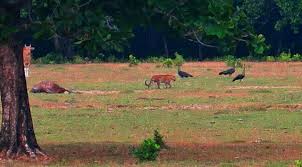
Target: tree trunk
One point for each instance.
(64, 46)
(17, 136)
(166, 47)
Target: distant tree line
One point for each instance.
(198, 29)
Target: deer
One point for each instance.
(27, 58)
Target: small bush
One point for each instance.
(285, 57)
(147, 151)
(296, 57)
(179, 60)
(270, 58)
(158, 138)
(150, 148)
(231, 61)
(51, 58)
(298, 163)
(97, 60)
(153, 59)
(78, 60)
(133, 61)
(168, 63)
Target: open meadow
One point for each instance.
(206, 120)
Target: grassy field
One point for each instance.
(206, 120)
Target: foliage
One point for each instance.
(298, 163)
(158, 138)
(154, 59)
(179, 60)
(78, 60)
(258, 45)
(51, 58)
(168, 63)
(270, 58)
(147, 151)
(213, 24)
(296, 57)
(291, 14)
(286, 57)
(220, 25)
(133, 61)
(231, 61)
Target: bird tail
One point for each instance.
(220, 73)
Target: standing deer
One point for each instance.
(27, 58)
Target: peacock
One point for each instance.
(183, 74)
(240, 76)
(229, 71)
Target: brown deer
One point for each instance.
(27, 58)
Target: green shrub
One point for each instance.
(298, 163)
(150, 148)
(179, 60)
(154, 59)
(133, 61)
(51, 58)
(238, 63)
(231, 61)
(97, 60)
(285, 57)
(147, 151)
(296, 57)
(78, 60)
(168, 63)
(270, 58)
(158, 138)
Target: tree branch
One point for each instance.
(170, 17)
(84, 4)
(202, 43)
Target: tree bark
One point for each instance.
(17, 136)
(166, 47)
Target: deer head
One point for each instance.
(29, 47)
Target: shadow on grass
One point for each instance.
(118, 153)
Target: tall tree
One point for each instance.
(90, 24)
(214, 24)
(17, 136)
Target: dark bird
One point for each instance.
(183, 74)
(240, 76)
(229, 71)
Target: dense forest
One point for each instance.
(198, 29)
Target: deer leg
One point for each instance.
(26, 71)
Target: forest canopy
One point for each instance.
(198, 29)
